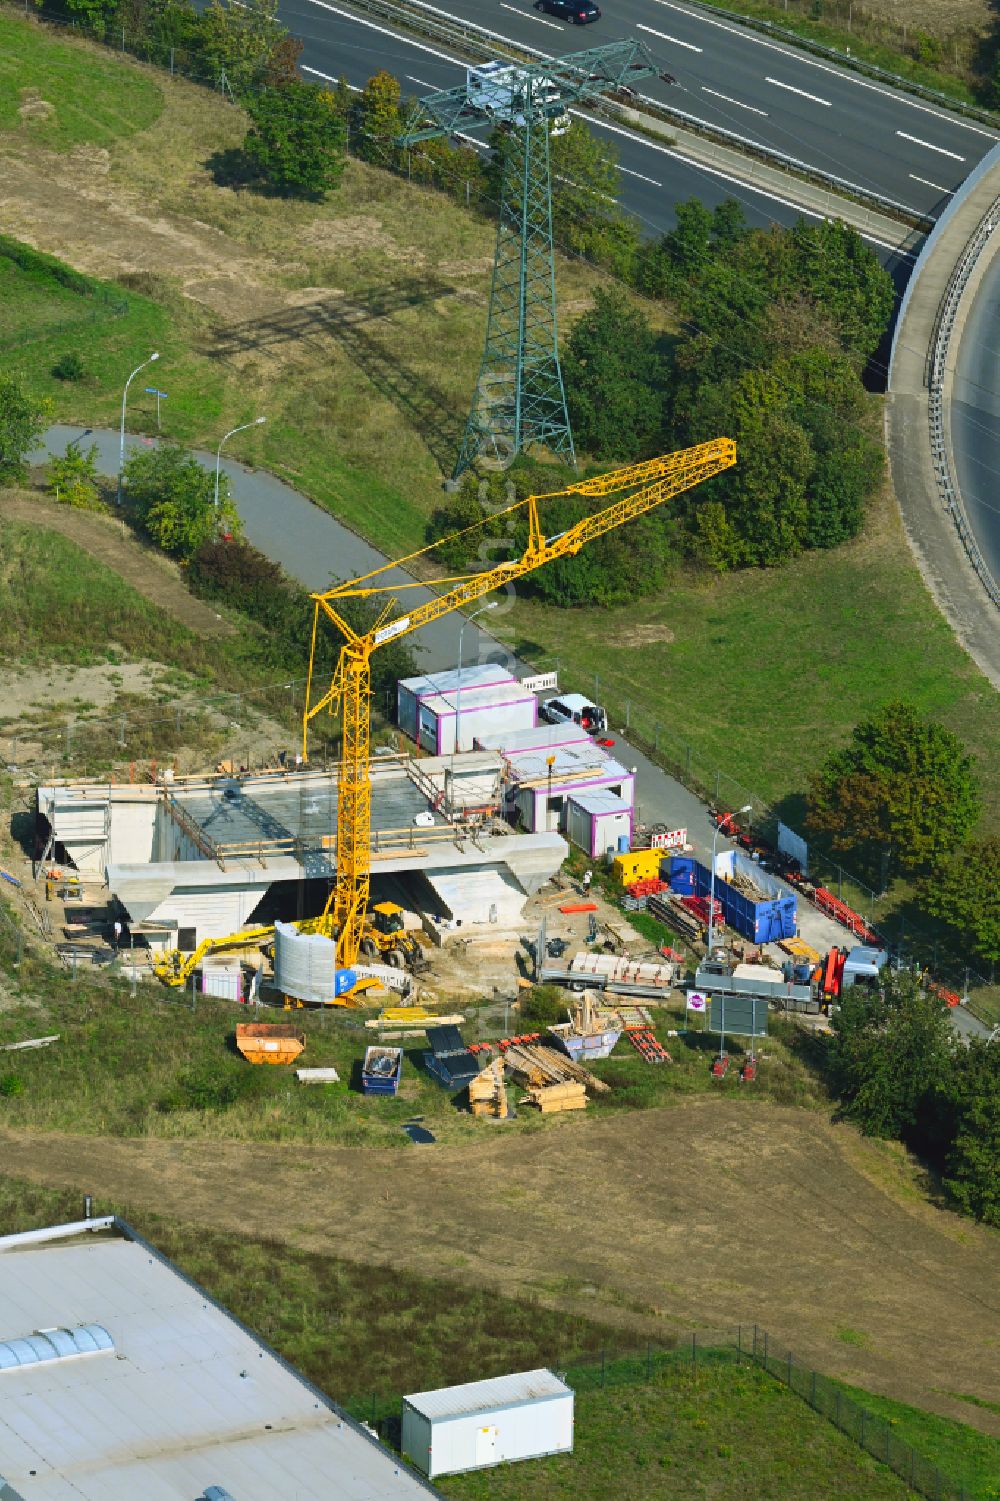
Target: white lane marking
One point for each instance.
(738, 102)
(619, 130)
(384, 31)
(665, 38)
(935, 185)
(327, 79)
(801, 92)
(930, 146)
(641, 176)
(419, 81)
(529, 17)
(810, 62)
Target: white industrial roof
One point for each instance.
(602, 800)
(483, 696)
(185, 1400)
(489, 1395)
(540, 737)
(529, 766)
(472, 675)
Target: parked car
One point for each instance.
(577, 11)
(573, 707)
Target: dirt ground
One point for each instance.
(706, 1215)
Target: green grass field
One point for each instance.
(725, 1431)
(659, 1427)
(88, 96)
(969, 1458)
(156, 1065)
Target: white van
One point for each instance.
(574, 707)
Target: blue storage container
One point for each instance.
(682, 874)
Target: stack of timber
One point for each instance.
(550, 1098)
(488, 1093)
(536, 1066)
(411, 1018)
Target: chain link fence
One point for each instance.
(688, 1355)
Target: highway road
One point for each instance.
(655, 177)
(975, 418)
(727, 76)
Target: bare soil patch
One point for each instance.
(34, 107)
(713, 1212)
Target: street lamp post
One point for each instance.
(490, 604)
(225, 438)
(121, 448)
(747, 808)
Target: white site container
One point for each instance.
(483, 1423)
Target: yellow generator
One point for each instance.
(638, 865)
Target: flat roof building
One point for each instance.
(122, 1379)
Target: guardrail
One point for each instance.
(424, 19)
(944, 328)
(846, 60)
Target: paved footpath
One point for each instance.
(314, 548)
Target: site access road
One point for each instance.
(728, 77)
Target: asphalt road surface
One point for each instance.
(728, 76)
(654, 177)
(975, 418)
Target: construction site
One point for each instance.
(496, 853)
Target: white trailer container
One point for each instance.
(598, 821)
(489, 698)
(483, 1423)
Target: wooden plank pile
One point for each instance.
(542, 1071)
(488, 1093)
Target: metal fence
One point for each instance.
(854, 18)
(691, 1356)
(940, 435)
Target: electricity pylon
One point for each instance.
(519, 398)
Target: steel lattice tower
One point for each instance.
(519, 398)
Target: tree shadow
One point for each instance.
(338, 320)
(232, 168)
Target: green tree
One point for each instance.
(964, 892)
(172, 496)
(94, 15)
(971, 1174)
(904, 786)
(240, 37)
(833, 265)
(765, 494)
(613, 374)
(73, 478)
(297, 139)
(891, 1050)
(377, 121)
(22, 422)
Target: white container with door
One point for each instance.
(483, 1423)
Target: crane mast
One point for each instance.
(639, 489)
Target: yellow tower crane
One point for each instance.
(639, 488)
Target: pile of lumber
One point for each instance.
(536, 1066)
(550, 1098)
(488, 1093)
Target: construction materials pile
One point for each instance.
(552, 1081)
(488, 1092)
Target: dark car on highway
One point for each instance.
(577, 11)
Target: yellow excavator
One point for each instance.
(637, 489)
(385, 940)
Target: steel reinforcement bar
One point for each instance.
(419, 17)
(944, 328)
